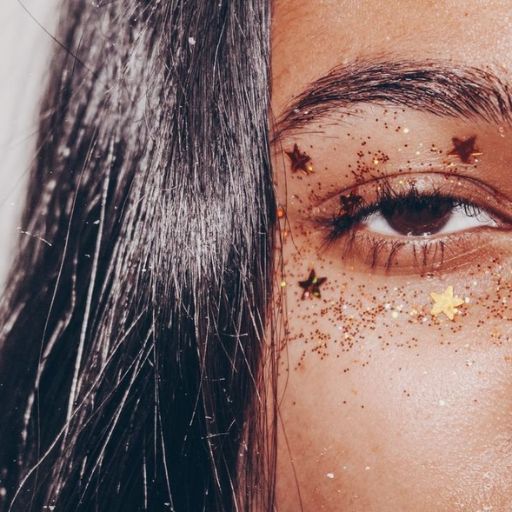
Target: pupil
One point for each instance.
(417, 216)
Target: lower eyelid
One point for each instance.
(362, 250)
(410, 256)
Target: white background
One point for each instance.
(25, 50)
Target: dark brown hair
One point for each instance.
(132, 341)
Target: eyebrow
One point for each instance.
(437, 87)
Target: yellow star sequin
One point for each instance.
(445, 303)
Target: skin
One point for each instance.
(384, 406)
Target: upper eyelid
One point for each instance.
(500, 198)
(328, 220)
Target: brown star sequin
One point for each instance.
(349, 203)
(300, 161)
(464, 149)
(311, 285)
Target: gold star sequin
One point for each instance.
(445, 303)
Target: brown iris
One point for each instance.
(416, 215)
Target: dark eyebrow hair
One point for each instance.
(437, 87)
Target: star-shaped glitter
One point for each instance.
(300, 161)
(445, 303)
(350, 203)
(464, 149)
(311, 285)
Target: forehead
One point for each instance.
(310, 37)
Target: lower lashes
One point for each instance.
(427, 255)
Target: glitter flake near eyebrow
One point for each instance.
(445, 303)
(300, 161)
(465, 149)
(311, 285)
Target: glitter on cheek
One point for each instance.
(446, 303)
(362, 315)
(311, 285)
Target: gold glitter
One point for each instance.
(445, 303)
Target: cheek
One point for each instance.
(386, 407)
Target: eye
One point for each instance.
(426, 216)
(422, 224)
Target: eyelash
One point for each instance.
(386, 198)
(427, 252)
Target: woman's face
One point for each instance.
(395, 394)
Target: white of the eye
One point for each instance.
(459, 220)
